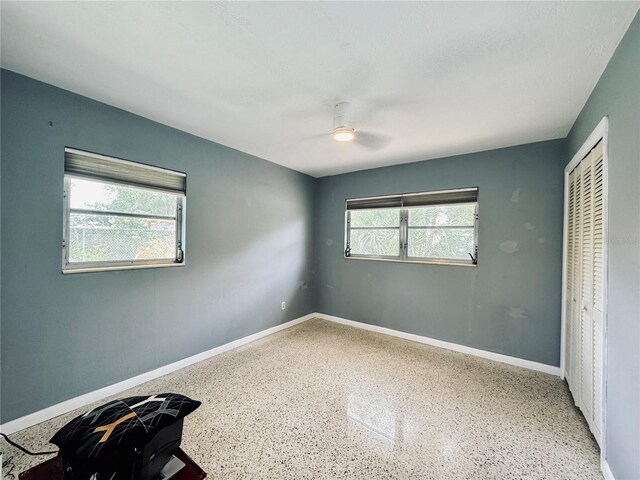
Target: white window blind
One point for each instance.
(100, 167)
(462, 195)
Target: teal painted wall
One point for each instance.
(509, 304)
(617, 95)
(249, 246)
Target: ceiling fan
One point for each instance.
(344, 132)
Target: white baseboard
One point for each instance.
(497, 357)
(606, 471)
(90, 397)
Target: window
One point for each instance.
(429, 227)
(120, 214)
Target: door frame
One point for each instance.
(601, 132)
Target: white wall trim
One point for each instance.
(96, 395)
(90, 397)
(606, 471)
(497, 357)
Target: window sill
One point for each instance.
(69, 271)
(420, 262)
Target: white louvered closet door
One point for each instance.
(584, 284)
(586, 290)
(572, 367)
(597, 308)
(574, 282)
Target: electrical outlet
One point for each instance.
(284, 305)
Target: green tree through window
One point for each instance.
(424, 227)
(99, 237)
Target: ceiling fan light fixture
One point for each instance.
(343, 134)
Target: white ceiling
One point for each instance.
(424, 80)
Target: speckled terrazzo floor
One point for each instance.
(322, 400)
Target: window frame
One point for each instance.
(403, 255)
(373, 257)
(101, 266)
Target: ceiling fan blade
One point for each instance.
(318, 136)
(372, 141)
